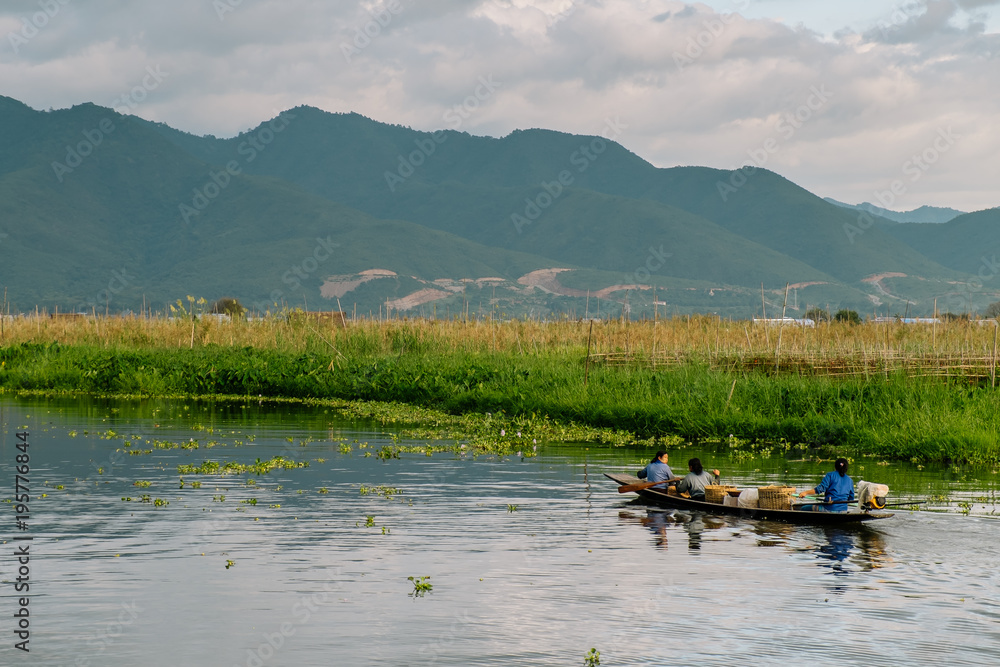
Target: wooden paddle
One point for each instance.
(645, 485)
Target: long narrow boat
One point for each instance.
(655, 495)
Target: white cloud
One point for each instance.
(694, 86)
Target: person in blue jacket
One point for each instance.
(836, 488)
(657, 470)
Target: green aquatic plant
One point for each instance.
(231, 467)
(511, 508)
(384, 491)
(230, 563)
(592, 659)
(421, 585)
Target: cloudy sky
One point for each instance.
(844, 98)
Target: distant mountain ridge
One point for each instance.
(934, 214)
(321, 210)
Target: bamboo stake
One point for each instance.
(586, 366)
(781, 329)
(731, 389)
(993, 368)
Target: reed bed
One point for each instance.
(697, 336)
(921, 392)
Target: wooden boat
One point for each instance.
(660, 497)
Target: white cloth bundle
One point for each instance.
(868, 491)
(748, 499)
(731, 501)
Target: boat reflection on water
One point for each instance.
(657, 521)
(843, 550)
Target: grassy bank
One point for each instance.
(525, 369)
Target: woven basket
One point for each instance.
(714, 493)
(671, 490)
(775, 497)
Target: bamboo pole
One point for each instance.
(781, 329)
(993, 368)
(586, 365)
(731, 390)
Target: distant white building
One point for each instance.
(906, 320)
(779, 321)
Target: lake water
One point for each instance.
(532, 562)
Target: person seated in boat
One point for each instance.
(657, 470)
(694, 483)
(836, 488)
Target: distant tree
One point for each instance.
(992, 310)
(849, 316)
(951, 317)
(817, 315)
(228, 306)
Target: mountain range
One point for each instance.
(105, 212)
(921, 214)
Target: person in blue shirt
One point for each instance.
(657, 470)
(836, 488)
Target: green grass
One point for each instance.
(891, 417)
